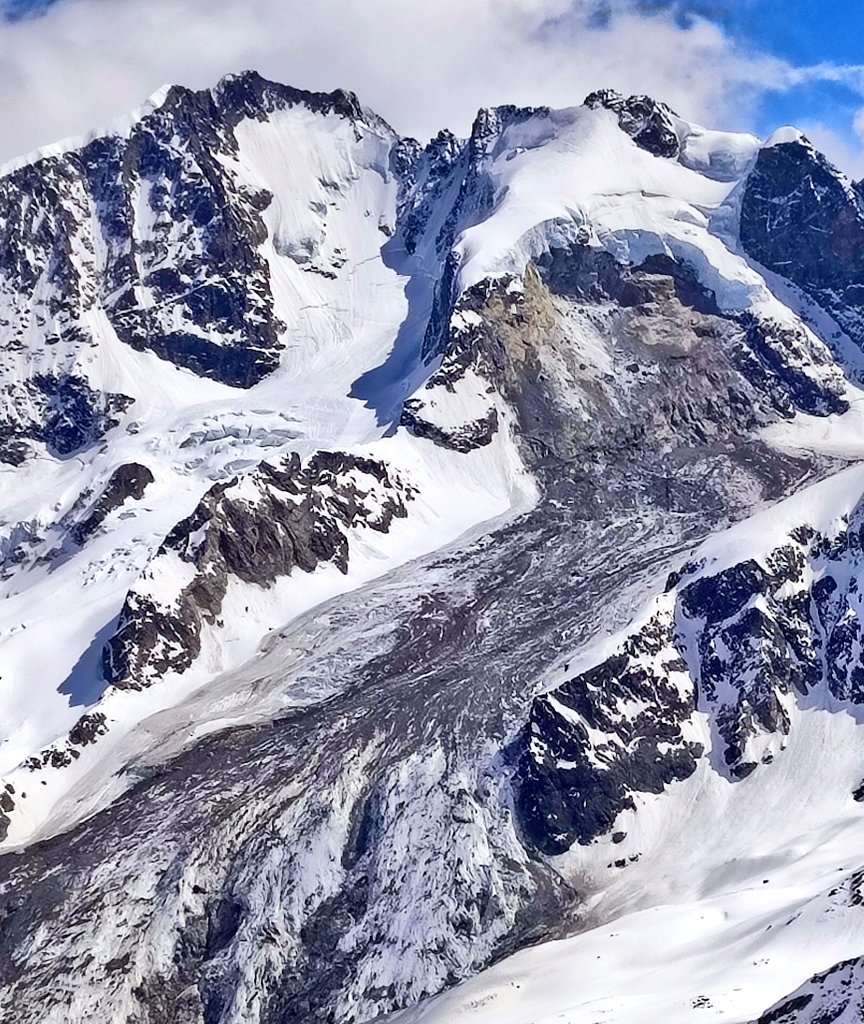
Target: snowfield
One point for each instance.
(349, 300)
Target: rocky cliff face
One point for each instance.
(279, 519)
(804, 220)
(676, 378)
(151, 228)
(742, 645)
(832, 995)
(650, 124)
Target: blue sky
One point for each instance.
(807, 33)
(70, 65)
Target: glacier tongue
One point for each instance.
(360, 250)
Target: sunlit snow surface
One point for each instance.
(333, 194)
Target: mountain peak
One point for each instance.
(649, 123)
(249, 94)
(335, 471)
(784, 136)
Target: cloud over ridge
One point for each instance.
(422, 67)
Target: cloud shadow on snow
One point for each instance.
(385, 387)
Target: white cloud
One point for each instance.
(849, 75)
(422, 66)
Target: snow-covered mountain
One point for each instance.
(410, 555)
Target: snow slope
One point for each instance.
(351, 295)
(191, 431)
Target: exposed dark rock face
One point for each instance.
(250, 95)
(476, 434)
(7, 804)
(738, 644)
(455, 171)
(425, 175)
(216, 277)
(833, 995)
(281, 518)
(646, 121)
(803, 220)
(86, 730)
(774, 358)
(180, 272)
(127, 481)
(572, 787)
(802, 635)
(686, 378)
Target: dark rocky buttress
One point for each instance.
(570, 787)
(740, 645)
(60, 411)
(833, 995)
(802, 219)
(280, 518)
(152, 227)
(649, 123)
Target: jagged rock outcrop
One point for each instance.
(127, 481)
(582, 754)
(7, 804)
(255, 530)
(372, 809)
(86, 730)
(801, 218)
(646, 121)
(445, 187)
(835, 996)
(741, 645)
(62, 412)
